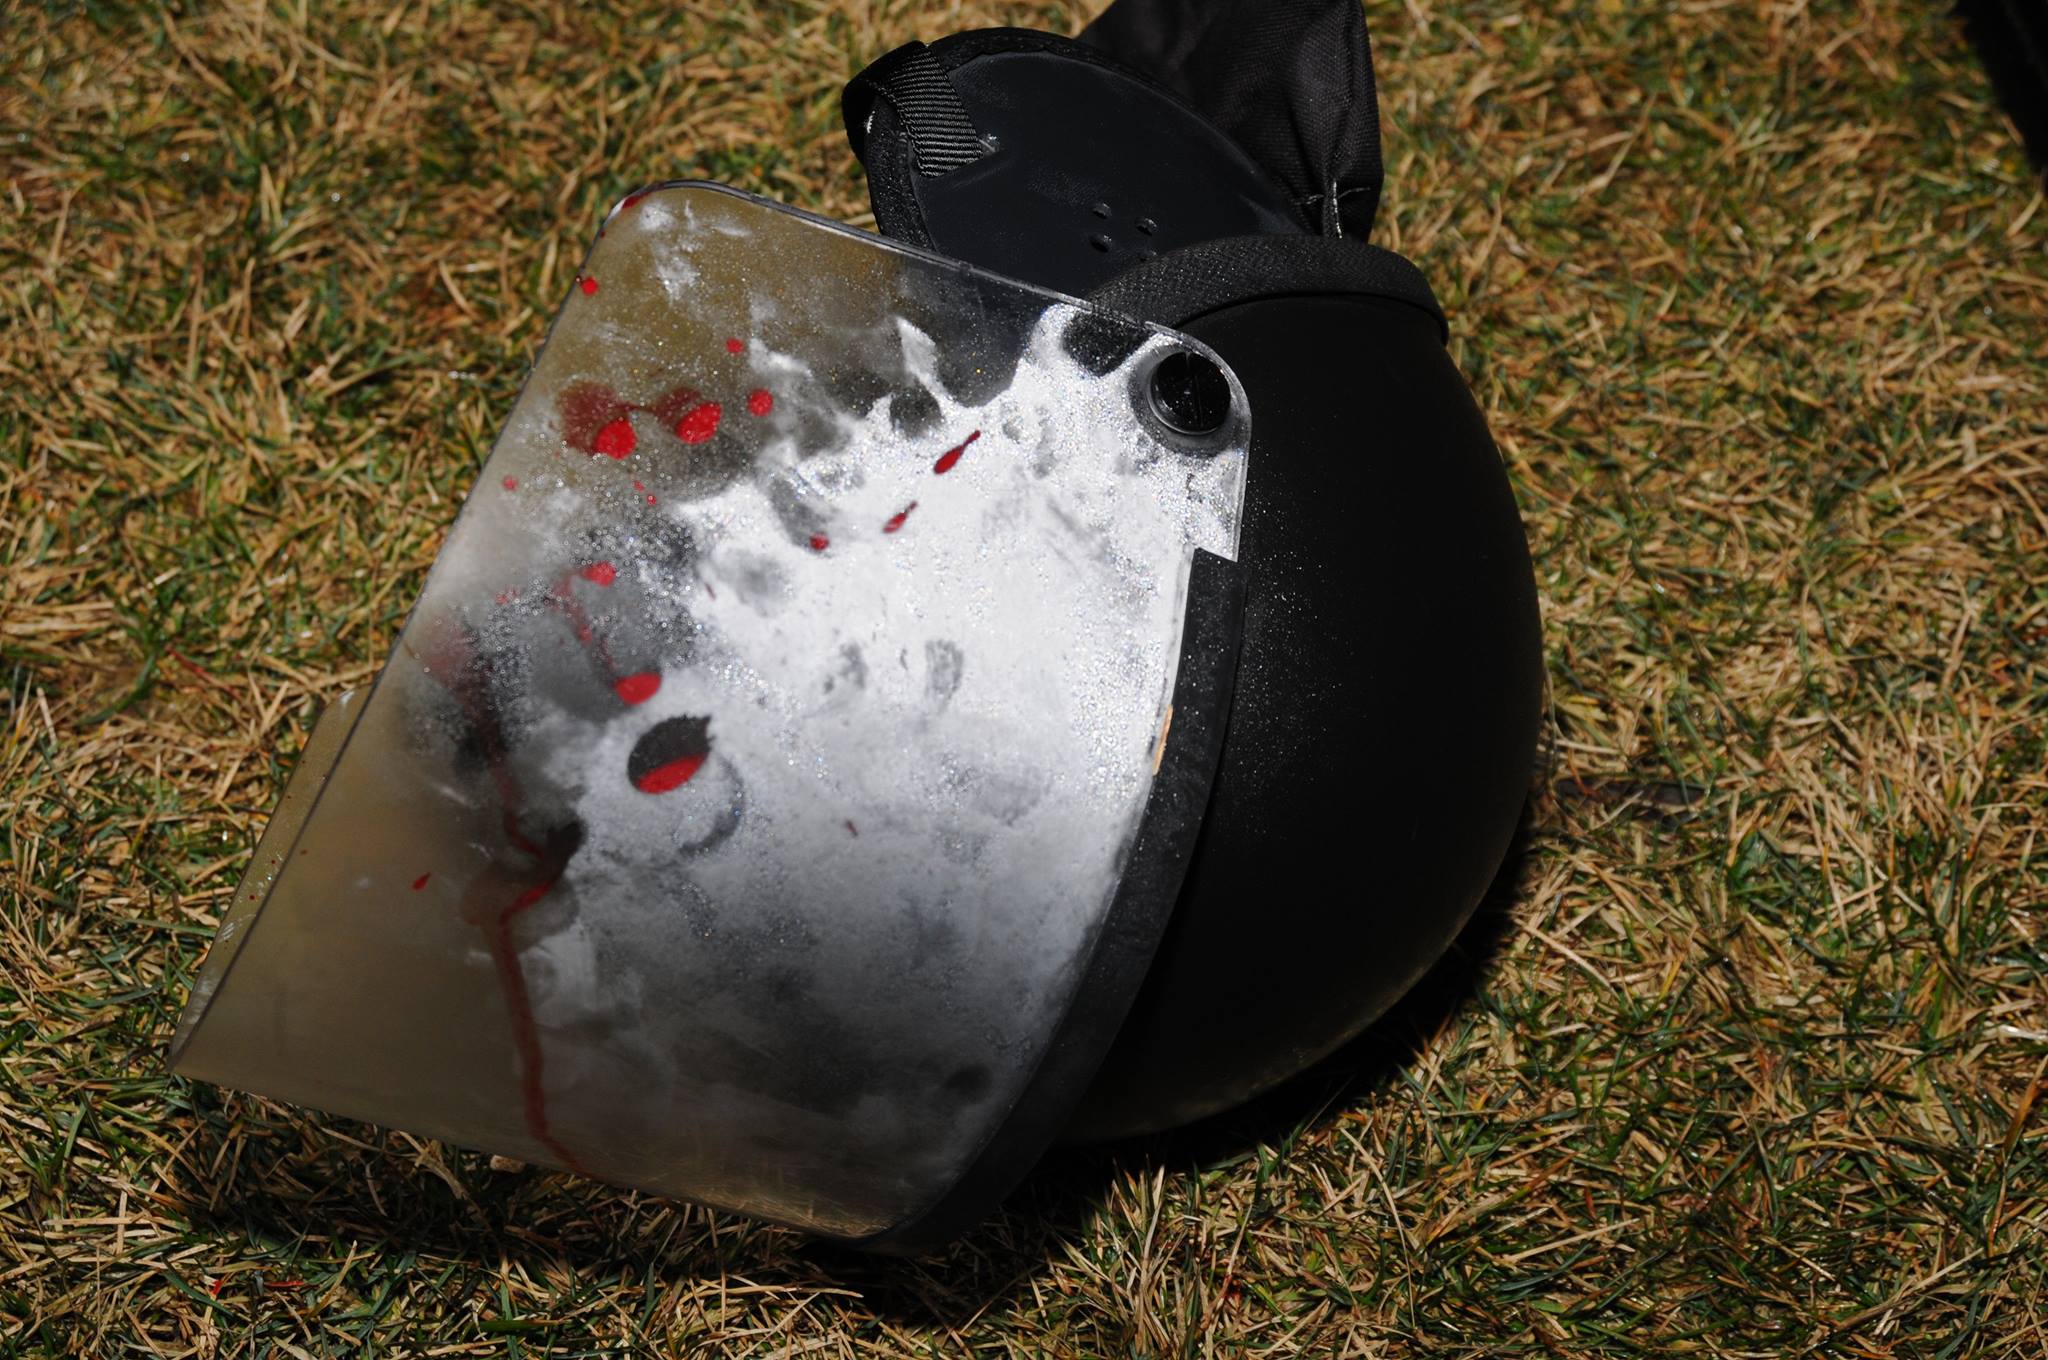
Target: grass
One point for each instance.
(1746, 1057)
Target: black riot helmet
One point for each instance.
(889, 705)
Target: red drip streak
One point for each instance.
(421, 881)
(632, 690)
(533, 1096)
(504, 954)
(673, 775)
(896, 520)
(952, 455)
(564, 599)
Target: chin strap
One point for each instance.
(1289, 80)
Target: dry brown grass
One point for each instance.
(1746, 1061)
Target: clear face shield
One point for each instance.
(789, 765)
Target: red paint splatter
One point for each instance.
(650, 500)
(421, 881)
(637, 689)
(669, 754)
(586, 410)
(588, 285)
(214, 1288)
(673, 775)
(896, 520)
(511, 483)
(735, 345)
(615, 440)
(596, 419)
(699, 423)
(819, 543)
(760, 401)
(630, 199)
(600, 573)
(639, 485)
(952, 455)
(672, 405)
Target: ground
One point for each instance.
(1743, 1057)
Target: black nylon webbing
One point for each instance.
(942, 137)
(1186, 283)
(1290, 80)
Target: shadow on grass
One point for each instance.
(1054, 1205)
(296, 1179)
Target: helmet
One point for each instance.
(888, 704)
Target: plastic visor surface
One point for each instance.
(751, 779)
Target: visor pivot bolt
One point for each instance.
(1190, 395)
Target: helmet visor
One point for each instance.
(750, 782)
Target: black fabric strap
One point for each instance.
(1186, 283)
(1290, 80)
(942, 137)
